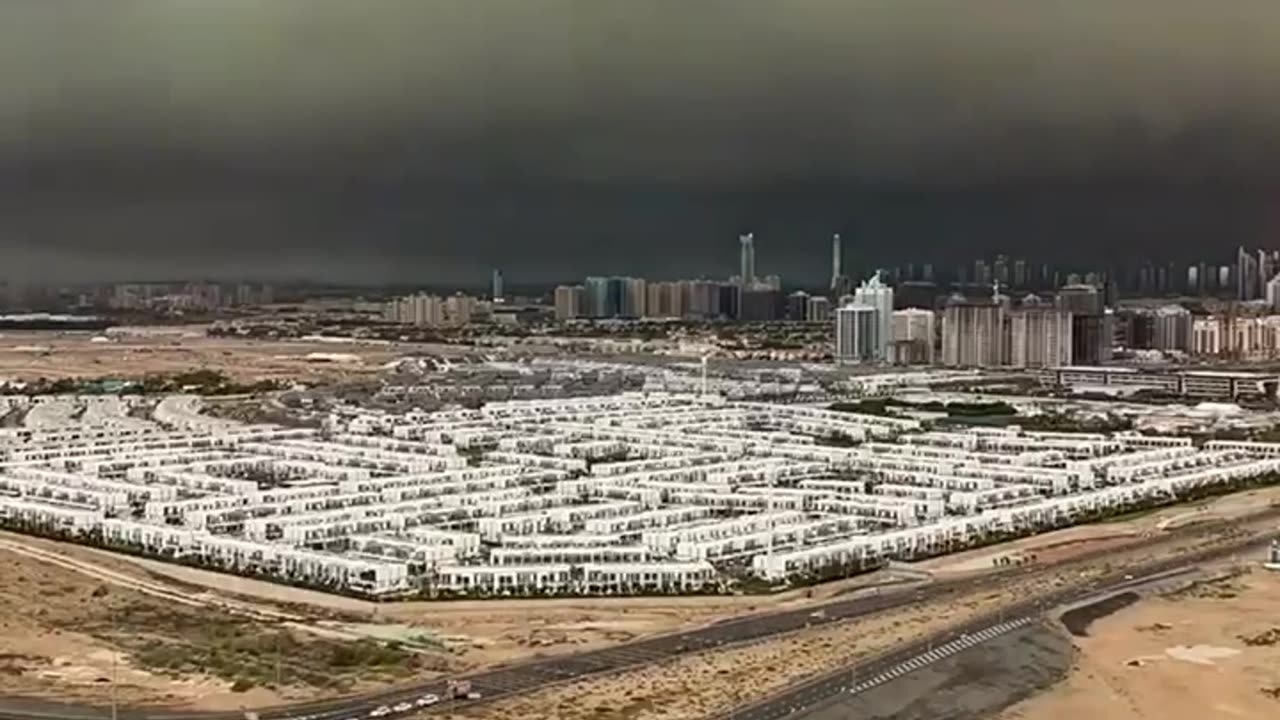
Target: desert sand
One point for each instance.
(1208, 652)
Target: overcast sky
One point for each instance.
(421, 139)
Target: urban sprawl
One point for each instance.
(626, 494)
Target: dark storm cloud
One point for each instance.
(466, 133)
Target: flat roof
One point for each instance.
(1223, 374)
(1235, 374)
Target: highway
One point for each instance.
(927, 650)
(535, 674)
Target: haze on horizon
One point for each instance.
(421, 140)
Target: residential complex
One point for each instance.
(631, 493)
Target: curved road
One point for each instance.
(905, 659)
(534, 674)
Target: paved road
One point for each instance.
(532, 675)
(932, 649)
(852, 682)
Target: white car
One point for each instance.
(380, 711)
(427, 700)
(403, 707)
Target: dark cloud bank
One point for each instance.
(423, 140)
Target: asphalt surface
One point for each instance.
(936, 648)
(975, 683)
(532, 675)
(854, 682)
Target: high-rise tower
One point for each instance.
(836, 269)
(840, 284)
(747, 260)
(496, 286)
(875, 294)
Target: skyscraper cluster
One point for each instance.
(624, 297)
(1254, 272)
(424, 310)
(745, 296)
(994, 333)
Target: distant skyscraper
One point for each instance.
(1091, 337)
(1266, 271)
(1246, 275)
(497, 286)
(973, 333)
(747, 260)
(1090, 330)
(876, 294)
(704, 299)
(857, 334)
(836, 268)
(913, 336)
(798, 306)
(981, 273)
(1080, 299)
(633, 297)
(459, 309)
(1273, 293)
(1039, 337)
(818, 309)
(422, 310)
(596, 300)
(667, 299)
(1172, 329)
(761, 304)
(569, 302)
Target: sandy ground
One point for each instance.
(32, 355)
(68, 627)
(713, 682)
(1186, 656)
(44, 654)
(477, 633)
